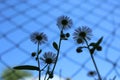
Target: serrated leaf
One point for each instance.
(26, 67)
(55, 45)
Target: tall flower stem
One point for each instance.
(58, 52)
(47, 73)
(93, 60)
(38, 61)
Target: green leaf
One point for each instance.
(99, 48)
(40, 51)
(92, 44)
(99, 41)
(26, 67)
(96, 46)
(55, 45)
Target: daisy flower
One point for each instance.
(64, 22)
(81, 34)
(37, 37)
(48, 57)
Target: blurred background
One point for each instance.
(20, 18)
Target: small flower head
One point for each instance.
(67, 79)
(33, 54)
(79, 50)
(91, 73)
(81, 34)
(48, 58)
(64, 22)
(37, 37)
(51, 75)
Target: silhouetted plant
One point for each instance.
(82, 35)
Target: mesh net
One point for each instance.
(19, 18)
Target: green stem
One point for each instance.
(58, 52)
(38, 61)
(48, 78)
(48, 71)
(92, 57)
(45, 76)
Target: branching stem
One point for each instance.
(93, 60)
(38, 61)
(58, 52)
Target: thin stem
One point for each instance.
(45, 76)
(38, 61)
(47, 71)
(44, 67)
(96, 67)
(114, 77)
(58, 52)
(92, 57)
(48, 78)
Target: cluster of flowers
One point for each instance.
(81, 35)
(63, 22)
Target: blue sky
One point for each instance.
(19, 18)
